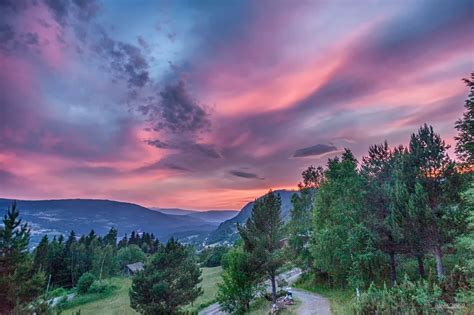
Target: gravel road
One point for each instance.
(311, 304)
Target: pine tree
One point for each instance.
(169, 281)
(41, 255)
(300, 224)
(377, 171)
(71, 261)
(262, 234)
(438, 183)
(19, 283)
(342, 246)
(465, 127)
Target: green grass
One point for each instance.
(117, 302)
(340, 299)
(210, 278)
(262, 307)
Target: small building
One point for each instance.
(132, 269)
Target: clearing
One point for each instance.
(119, 302)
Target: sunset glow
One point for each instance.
(203, 104)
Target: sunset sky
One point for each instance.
(208, 104)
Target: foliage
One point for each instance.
(239, 282)
(19, 282)
(381, 218)
(465, 127)
(99, 286)
(98, 303)
(465, 248)
(299, 226)
(146, 241)
(85, 282)
(433, 185)
(210, 279)
(342, 245)
(168, 282)
(212, 256)
(408, 297)
(261, 237)
(129, 255)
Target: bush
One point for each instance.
(57, 292)
(85, 282)
(99, 287)
(455, 282)
(406, 298)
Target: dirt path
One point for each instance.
(311, 303)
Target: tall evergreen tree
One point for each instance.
(262, 234)
(342, 246)
(19, 282)
(41, 262)
(465, 127)
(377, 171)
(71, 260)
(436, 188)
(300, 224)
(168, 281)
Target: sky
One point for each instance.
(209, 104)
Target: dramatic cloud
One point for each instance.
(245, 175)
(125, 61)
(176, 111)
(169, 102)
(161, 165)
(315, 150)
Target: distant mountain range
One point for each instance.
(216, 216)
(55, 217)
(227, 231)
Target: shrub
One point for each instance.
(405, 298)
(57, 292)
(99, 287)
(85, 282)
(456, 281)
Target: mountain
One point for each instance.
(227, 230)
(173, 211)
(82, 215)
(214, 216)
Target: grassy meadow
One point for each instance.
(118, 301)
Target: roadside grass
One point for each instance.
(117, 301)
(339, 299)
(262, 306)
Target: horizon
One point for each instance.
(208, 105)
(151, 207)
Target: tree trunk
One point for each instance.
(439, 262)
(274, 294)
(421, 266)
(393, 268)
